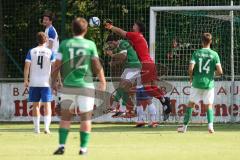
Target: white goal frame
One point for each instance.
(153, 19)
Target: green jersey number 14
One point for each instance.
(204, 67)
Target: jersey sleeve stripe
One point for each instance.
(53, 60)
(51, 33)
(28, 57)
(193, 62)
(50, 39)
(123, 51)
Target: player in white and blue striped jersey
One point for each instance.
(37, 73)
(51, 33)
(53, 41)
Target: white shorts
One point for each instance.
(82, 102)
(132, 74)
(207, 96)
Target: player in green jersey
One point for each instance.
(78, 58)
(121, 51)
(205, 63)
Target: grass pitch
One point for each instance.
(123, 142)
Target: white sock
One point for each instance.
(36, 123)
(47, 122)
(61, 145)
(152, 112)
(83, 149)
(114, 104)
(210, 125)
(140, 114)
(122, 108)
(185, 128)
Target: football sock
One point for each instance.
(83, 149)
(152, 112)
(187, 115)
(63, 133)
(119, 94)
(122, 108)
(210, 116)
(36, 122)
(140, 113)
(84, 139)
(47, 122)
(125, 98)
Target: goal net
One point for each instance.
(175, 33)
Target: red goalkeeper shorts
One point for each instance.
(148, 72)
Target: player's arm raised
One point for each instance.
(119, 31)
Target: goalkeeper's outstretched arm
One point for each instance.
(116, 30)
(119, 31)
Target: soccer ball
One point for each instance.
(94, 22)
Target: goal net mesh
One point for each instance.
(178, 35)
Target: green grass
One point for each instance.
(123, 142)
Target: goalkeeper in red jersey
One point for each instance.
(148, 72)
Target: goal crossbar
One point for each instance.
(154, 10)
(195, 8)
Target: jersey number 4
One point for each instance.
(40, 61)
(204, 67)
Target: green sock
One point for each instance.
(119, 94)
(84, 137)
(125, 98)
(187, 115)
(210, 115)
(63, 133)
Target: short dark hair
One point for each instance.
(206, 38)
(112, 37)
(48, 14)
(41, 37)
(140, 25)
(79, 25)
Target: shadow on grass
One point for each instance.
(165, 128)
(125, 128)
